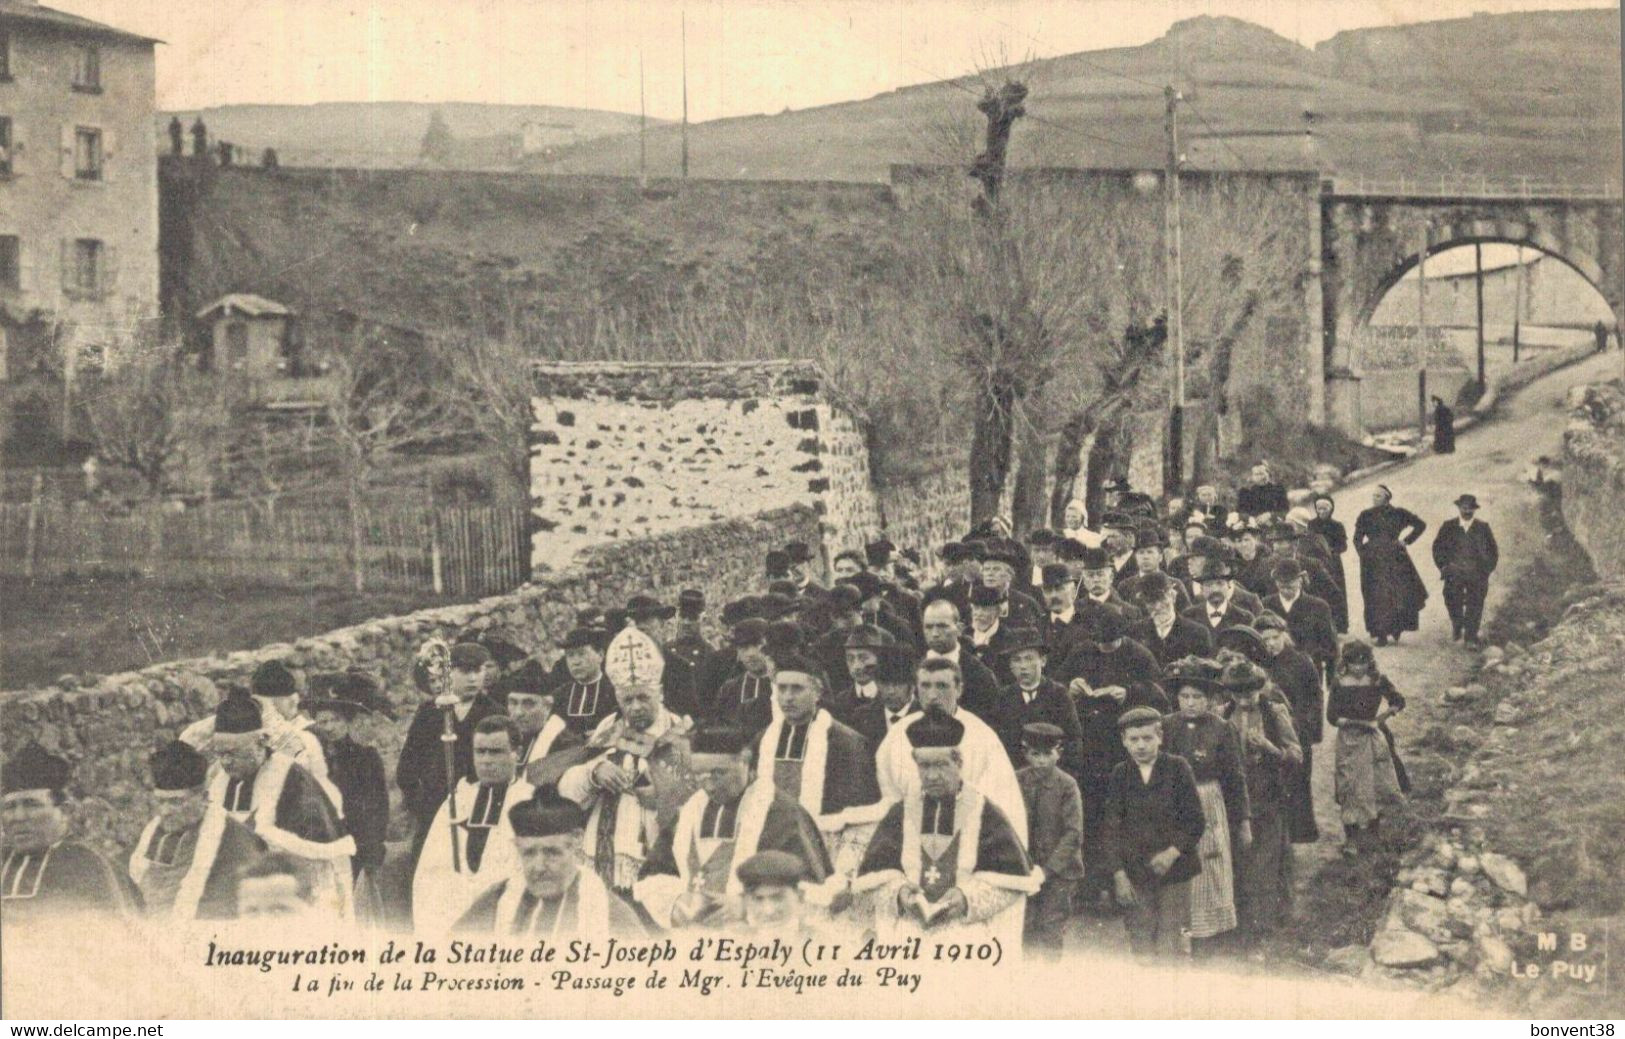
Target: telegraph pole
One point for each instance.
(1517, 307)
(643, 128)
(1478, 281)
(1174, 278)
(1422, 334)
(685, 95)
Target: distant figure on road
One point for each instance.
(1444, 428)
(1465, 552)
(1600, 330)
(1389, 584)
(200, 138)
(177, 134)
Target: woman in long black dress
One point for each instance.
(1393, 591)
(1335, 537)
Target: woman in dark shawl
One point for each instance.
(1393, 591)
(1335, 537)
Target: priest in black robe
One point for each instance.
(44, 874)
(690, 879)
(186, 860)
(945, 861)
(1389, 584)
(553, 893)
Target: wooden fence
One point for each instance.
(456, 551)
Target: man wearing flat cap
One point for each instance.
(286, 806)
(1055, 822)
(1465, 552)
(186, 860)
(42, 872)
(1150, 834)
(550, 893)
(946, 860)
(691, 878)
(420, 772)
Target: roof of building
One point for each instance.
(244, 302)
(29, 11)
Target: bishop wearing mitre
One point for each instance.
(632, 775)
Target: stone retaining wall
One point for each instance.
(1594, 475)
(107, 730)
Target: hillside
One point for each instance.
(1410, 100)
(390, 134)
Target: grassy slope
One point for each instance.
(56, 628)
(1369, 88)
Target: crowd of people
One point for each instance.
(1112, 719)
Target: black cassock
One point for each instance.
(1393, 591)
(66, 877)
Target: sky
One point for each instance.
(744, 56)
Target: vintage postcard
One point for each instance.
(840, 509)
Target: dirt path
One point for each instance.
(1491, 461)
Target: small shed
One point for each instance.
(250, 334)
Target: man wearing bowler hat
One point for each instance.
(1465, 552)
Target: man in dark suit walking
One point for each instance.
(1465, 552)
(1215, 609)
(1308, 619)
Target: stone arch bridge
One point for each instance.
(1373, 234)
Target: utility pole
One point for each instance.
(1478, 283)
(1422, 334)
(1174, 278)
(643, 134)
(685, 95)
(1517, 307)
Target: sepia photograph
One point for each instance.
(768, 510)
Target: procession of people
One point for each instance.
(1114, 720)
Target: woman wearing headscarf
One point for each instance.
(1392, 589)
(1368, 768)
(1335, 537)
(1197, 734)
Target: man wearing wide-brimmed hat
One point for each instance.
(1465, 552)
(338, 701)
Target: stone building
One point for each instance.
(78, 185)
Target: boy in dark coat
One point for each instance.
(1034, 697)
(1055, 830)
(1150, 835)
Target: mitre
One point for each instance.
(633, 660)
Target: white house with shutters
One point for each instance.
(78, 184)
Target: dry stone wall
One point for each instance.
(107, 730)
(622, 451)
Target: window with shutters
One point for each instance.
(87, 68)
(11, 262)
(5, 146)
(87, 154)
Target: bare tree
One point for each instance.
(378, 407)
(151, 410)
